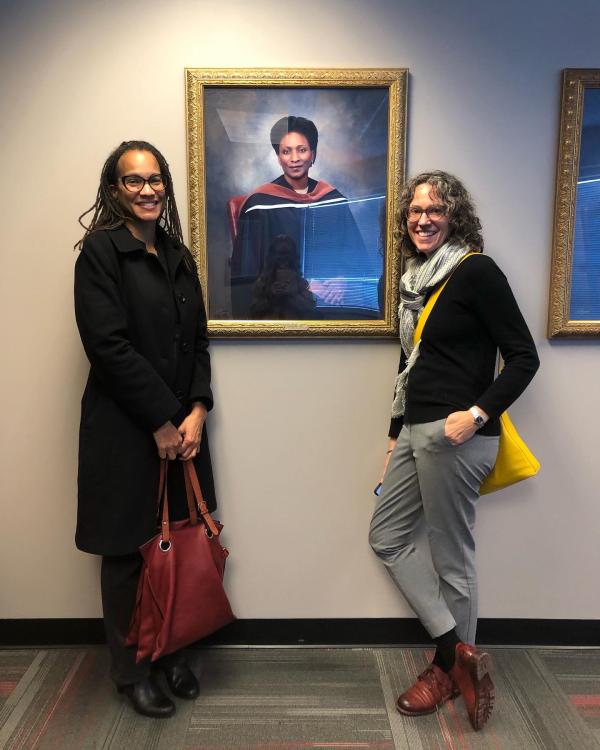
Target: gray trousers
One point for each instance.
(433, 484)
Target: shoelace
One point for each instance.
(431, 679)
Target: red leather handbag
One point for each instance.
(180, 597)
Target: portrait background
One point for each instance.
(351, 154)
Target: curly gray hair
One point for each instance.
(464, 225)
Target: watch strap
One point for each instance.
(478, 418)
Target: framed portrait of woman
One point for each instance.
(575, 279)
(294, 179)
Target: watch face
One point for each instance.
(479, 421)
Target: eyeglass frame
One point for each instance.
(163, 179)
(426, 211)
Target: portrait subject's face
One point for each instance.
(428, 232)
(296, 158)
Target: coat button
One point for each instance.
(185, 347)
(179, 395)
(182, 299)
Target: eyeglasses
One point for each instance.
(414, 213)
(134, 183)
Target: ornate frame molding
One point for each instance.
(395, 80)
(574, 83)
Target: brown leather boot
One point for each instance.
(432, 688)
(471, 673)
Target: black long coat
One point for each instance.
(143, 327)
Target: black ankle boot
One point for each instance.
(181, 680)
(148, 699)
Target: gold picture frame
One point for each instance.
(575, 276)
(361, 119)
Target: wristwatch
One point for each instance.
(478, 418)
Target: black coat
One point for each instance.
(143, 327)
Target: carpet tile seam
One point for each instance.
(61, 694)
(553, 689)
(24, 695)
(398, 725)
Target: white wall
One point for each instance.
(299, 429)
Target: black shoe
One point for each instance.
(181, 680)
(148, 699)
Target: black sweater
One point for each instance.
(475, 315)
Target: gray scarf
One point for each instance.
(421, 276)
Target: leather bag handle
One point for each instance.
(165, 530)
(194, 497)
(163, 495)
(189, 496)
(192, 487)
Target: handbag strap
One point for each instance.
(193, 489)
(191, 502)
(426, 311)
(163, 495)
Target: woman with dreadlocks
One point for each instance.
(142, 322)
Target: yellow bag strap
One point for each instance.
(426, 311)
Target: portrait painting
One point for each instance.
(294, 178)
(575, 281)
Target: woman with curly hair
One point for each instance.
(443, 437)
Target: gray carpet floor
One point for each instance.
(292, 699)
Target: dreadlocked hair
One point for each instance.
(464, 225)
(108, 212)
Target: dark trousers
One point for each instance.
(119, 578)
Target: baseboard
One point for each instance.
(312, 632)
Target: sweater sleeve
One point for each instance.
(396, 423)
(102, 321)
(395, 427)
(497, 309)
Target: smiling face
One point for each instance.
(296, 158)
(146, 204)
(427, 233)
